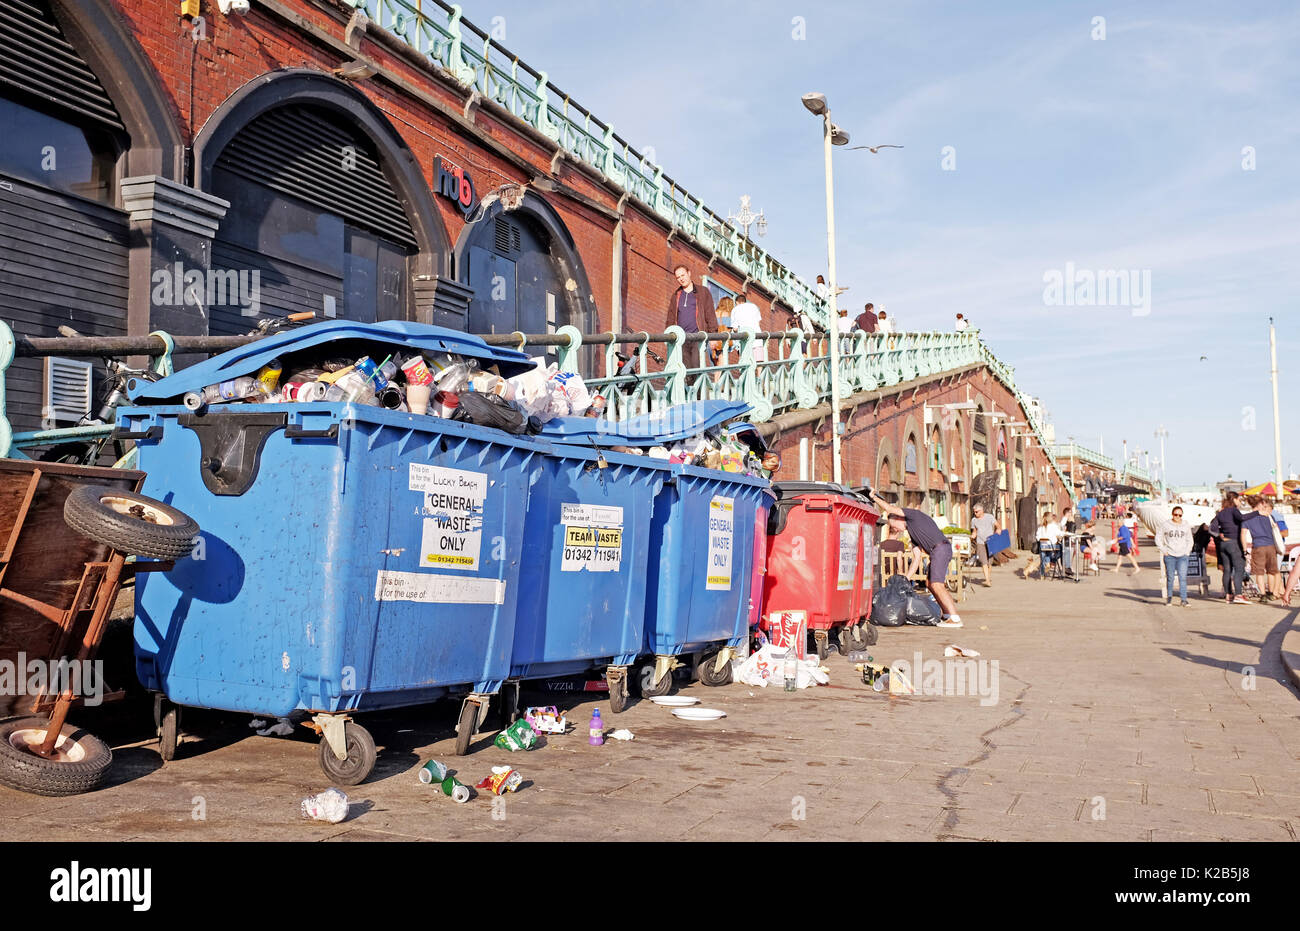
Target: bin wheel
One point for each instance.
(130, 523)
(823, 648)
(77, 765)
(466, 726)
(618, 694)
(709, 676)
(169, 734)
(652, 689)
(361, 756)
(868, 633)
(509, 704)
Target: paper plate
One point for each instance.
(675, 701)
(699, 714)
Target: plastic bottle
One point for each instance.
(791, 670)
(597, 730)
(246, 387)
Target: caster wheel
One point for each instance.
(652, 689)
(618, 695)
(711, 676)
(169, 734)
(823, 647)
(466, 726)
(360, 760)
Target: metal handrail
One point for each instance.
(794, 373)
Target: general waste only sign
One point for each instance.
(722, 530)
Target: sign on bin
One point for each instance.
(453, 515)
(393, 585)
(848, 556)
(593, 538)
(788, 629)
(722, 527)
(868, 556)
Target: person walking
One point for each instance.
(926, 536)
(1226, 530)
(691, 308)
(1127, 536)
(962, 324)
(1175, 541)
(983, 526)
(1259, 547)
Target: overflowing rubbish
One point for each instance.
(788, 629)
(518, 736)
(768, 664)
(503, 779)
(923, 611)
(546, 720)
(330, 805)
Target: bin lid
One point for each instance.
(788, 490)
(399, 334)
(679, 422)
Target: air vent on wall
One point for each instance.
(67, 389)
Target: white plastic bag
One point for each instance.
(768, 665)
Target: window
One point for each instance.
(909, 458)
(56, 153)
(936, 450)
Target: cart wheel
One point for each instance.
(868, 634)
(361, 756)
(649, 687)
(466, 726)
(710, 676)
(618, 696)
(77, 765)
(130, 523)
(169, 735)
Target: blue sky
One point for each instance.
(1119, 154)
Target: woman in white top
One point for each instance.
(1049, 542)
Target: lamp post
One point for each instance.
(1161, 434)
(746, 217)
(831, 135)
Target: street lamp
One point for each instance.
(831, 135)
(1161, 433)
(746, 217)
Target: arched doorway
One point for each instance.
(328, 205)
(524, 269)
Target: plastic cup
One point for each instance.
(417, 398)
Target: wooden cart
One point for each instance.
(57, 590)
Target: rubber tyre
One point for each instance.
(618, 695)
(169, 734)
(361, 756)
(27, 772)
(509, 705)
(652, 689)
(868, 634)
(707, 674)
(465, 727)
(87, 512)
(823, 648)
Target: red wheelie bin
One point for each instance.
(818, 551)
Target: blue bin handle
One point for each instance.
(296, 432)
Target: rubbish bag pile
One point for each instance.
(768, 665)
(897, 604)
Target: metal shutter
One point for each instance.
(36, 59)
(301, 152)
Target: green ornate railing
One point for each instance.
(441, 34)
(1065, 451)
(794, 375)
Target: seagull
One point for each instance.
(875, 148)
(1205, 358)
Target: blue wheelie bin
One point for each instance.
(699, 588)
(585, 563)
(352, 558)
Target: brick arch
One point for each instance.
(912, 431)
(886, 457)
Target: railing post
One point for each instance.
(7, 350)
(675, 367)
(805, 391)
(751, 390)
(457, 65)
(568, 354)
